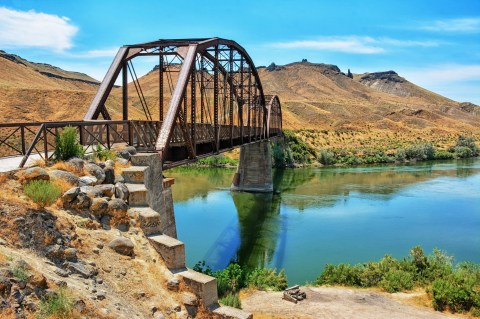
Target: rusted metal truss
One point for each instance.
(216, 104)
(209, 100)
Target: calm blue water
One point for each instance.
(330, 215)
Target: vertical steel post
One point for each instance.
(160, 77)
(249, 107)
(45, 143)
(215, 100)
(231, 96)
(22, 133)
(240, 103)
(202, 90)
(193, 109)
(125, 90)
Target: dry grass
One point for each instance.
(38, 162)
(119, 167)
(64, 166)
(63, 184)
(3, 178)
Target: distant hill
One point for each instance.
(38, 92)
(320, 96)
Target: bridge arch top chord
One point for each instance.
(209, 98)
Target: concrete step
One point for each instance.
(142, 159)
(138, 194)
(134, 174)
(225, 312)
(172, 250)
(148, 219)
(205, 287)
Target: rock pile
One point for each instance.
(294, 294)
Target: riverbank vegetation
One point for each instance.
(454, 288)
(234, 278)
(296, 150)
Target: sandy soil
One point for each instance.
(335, 303)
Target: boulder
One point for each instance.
(87, 181)
(63, 175)
(70, 195)
(107, 190)
(99, 207)
(34, 174)
(70, 254)
(119, 178)
(97, 171)
(117, 208)
(109, 163)
(121, 191)
(76, 162)
(124, 154)
(92, 191)
(83, 201)
(121, 160)
(122, 245)
(130, 149)
(109, 175)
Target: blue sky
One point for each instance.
(435, 44)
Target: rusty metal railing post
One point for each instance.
(45, 144)
(22, 133)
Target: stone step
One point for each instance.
(142, 159)
(225, 312)
(148, 219)
(172, 250)
(138, 194)
(205, 287)
(134, 174)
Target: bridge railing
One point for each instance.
(25, 139)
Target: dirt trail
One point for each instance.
(335, 303)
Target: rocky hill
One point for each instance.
(37, 92)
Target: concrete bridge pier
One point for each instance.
(254, 172)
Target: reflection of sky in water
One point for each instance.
(336, 215)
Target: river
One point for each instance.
(329, 215)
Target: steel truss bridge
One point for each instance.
(208, 99)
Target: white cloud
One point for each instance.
(35, 29)
(456, 81)
(352, 44)
(466, 25)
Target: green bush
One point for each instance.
(43, 193)
(229, 279)
(266, 278)
(231, 300)
(20, 272)
(463, 152)
(301, 152)
(104, 154)
(217, 161)
(443, 155)
(455, 293)
(400, 155)
(397, 280)
(281, 155)
(58, 305)
(66, 145)
(420, 152)
(468, 142)
(326, 157)
(342, 274)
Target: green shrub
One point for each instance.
(104, 154)
(301, 152)
(58, 305)
(326, 157)
(66, 145)
(455, 293)
(397, 280)
(420, 152)
(342, 274)
(231, 300)
(229, 279)
(444, 155)
(43, 193)
(281, 155)
(468, 142)
(266, 278)
(202, 267)
(217, 161)
(463, 152)
(400, 155)
(20, 272)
